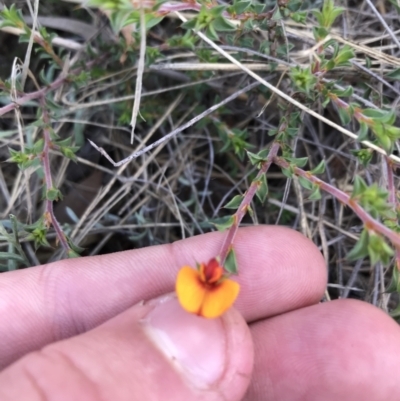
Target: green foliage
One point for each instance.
(320, 169)
(223, 223)
(372, 245)
(234, 202)
(98, 92)
(16, 256)
(262, 188)
(256, 159)
(231, 265)
(303, 79)
(233, 140)
(327, 16)
(381, 124)
(11, 17)
(299, 16)
(395, 74)
(364, 156)
(37, 233)
(187, 40)
(211, 20)
(341, 58)
(371, 197)
(239, 7)
(53, 194)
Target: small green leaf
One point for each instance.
(303, 78)
(77, 249)
(288, 172)
(363, 132)
(394, 74)
(223, 223)
(298, 162)
(234, 203)
(360, 249)
(315, 194)
(239, 7)
(346, 92)
(379, 250)
(299, 17)
(255, 158)
(294, 5)
(359, 186)
(344, 115)
(277, 15)
(69, 152)
(53, 194)
(320, 169)
(345, 54)
(231, 265)
(223, 25)
(382, 116)
(305, 183)
(72, 254)
(263, 153)
(190, 24)
(364, 156)
(320, 33)
(262, 190)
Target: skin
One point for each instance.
(79, 329)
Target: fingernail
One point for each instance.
(195, 345)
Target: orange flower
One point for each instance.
(206, 291)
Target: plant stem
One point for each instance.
(245, 204)
(49, 216)
(365, 217)
(34, 95)
(392, 199)
(41, 93)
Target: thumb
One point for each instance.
(153, 351)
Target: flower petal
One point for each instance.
(219, 299)
(189, 289)
(211, 272)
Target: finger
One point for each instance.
(150, 352)
(342, 350)
(280, 270)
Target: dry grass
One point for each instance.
(173, 190)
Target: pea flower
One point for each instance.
(206, 291)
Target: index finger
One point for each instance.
(280, 270)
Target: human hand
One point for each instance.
(78, 329)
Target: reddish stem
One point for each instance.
(49, 216)
(344, 198)
(392, 199)
(33, 95)
(245, 204)
(41, 93)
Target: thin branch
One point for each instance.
(392, 200)
(245, 204)
(33, 95)
(49, 215)
(344, 198)
(63, 77)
